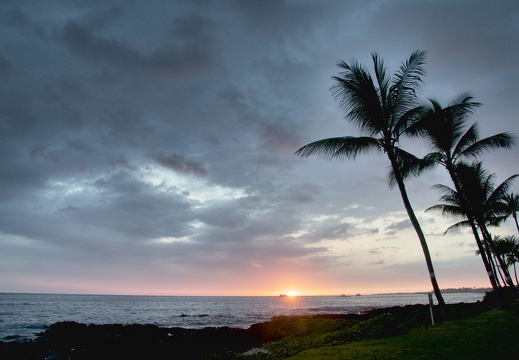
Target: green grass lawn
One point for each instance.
(491, 335)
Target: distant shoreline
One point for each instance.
(446, 291)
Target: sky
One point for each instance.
(148, 147)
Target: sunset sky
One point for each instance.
(148, 147)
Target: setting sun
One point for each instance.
(291, 293)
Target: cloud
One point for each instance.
(379, 262)
(162, 137)
(393, 228)
(68, 208)
(5, 66)
(179, 163)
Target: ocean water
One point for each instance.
(26, 315)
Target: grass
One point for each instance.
(395, 334)
(491, 335)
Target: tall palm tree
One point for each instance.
(382, 111)
(481, 198)
(451, 140)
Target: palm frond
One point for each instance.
(503, 140)
(495, 220)
(458, 225)
(510, 204)
(339, 148)
(357, 95)
(469, 137)
(501, 191)
(407, 81)
(462, 106)
(446, 209)
(434, 157)
(404, 125)
(382, 78)
(409, 165)
(444, 190)
(423, 116)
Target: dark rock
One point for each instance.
(71, 340)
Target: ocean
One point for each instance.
(26, 315)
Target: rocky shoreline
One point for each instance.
(71, 340)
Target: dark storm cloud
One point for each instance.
(179, 163)
(163, 134)
(190, 38)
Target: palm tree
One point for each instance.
(478, 196)
(504, 251)
(382, 111)
(485, 199)
(490, 255)
(446, 131)
(512, 254)
(511, 207)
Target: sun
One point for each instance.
(291, 293)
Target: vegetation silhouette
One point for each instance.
(445, 130)
(382, 111)
(479, 197)
(507, 248)
(510, 206)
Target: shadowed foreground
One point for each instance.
(332, 337)
(491, 335)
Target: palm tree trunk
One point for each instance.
(500, 279)
(502, 264)
(490, 256)
(515, 274)
(418, 230)
(500, 272)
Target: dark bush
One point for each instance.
(507, 296)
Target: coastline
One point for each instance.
(72, 340)
(27, 315)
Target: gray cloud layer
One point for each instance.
(162, 136)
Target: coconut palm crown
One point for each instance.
(446, 130)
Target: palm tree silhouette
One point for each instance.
(445, 130)
(481, 198)
(512, 254)
(506, 249)
(382, 111)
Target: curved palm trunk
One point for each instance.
(497, 274)
(487, 261)
(418, 230)
(497, 270)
